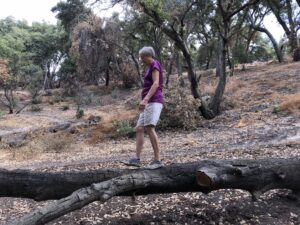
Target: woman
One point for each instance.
(150, 108)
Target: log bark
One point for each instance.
(255, 176)
(45, 186)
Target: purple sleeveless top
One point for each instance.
(148, 81)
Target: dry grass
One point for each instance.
(47, 143)
(234, 85)
(291, 104)
(275, 83)
(244, 122)
(106, 128)
(277, 97)
(209, 88)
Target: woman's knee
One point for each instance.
(139, 129)
(150, 128)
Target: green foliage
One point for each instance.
(157, 6)
(70, 12)
(79, 113)
(86, 98)
(1, 115)
(123, 128)
(35, 108)
(65, 107)
(263, 50)
(259, 50)
(36, 101)
(239, 53)
(115, 93)
(276, 108)
(56, 98)
(31, 51)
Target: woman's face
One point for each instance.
(146, 59)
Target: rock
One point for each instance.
(58, 127)
(206, 99)
(14, 140)
(93, 120)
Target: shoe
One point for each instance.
(133, 162)
(155, 164)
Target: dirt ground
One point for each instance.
(252, 127)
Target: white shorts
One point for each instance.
(150, 115)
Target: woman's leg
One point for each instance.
(154, 141)
(139, 140)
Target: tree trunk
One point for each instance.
(180, 43)
(255, 176)
(46, 82)
(272, 39)
(48, 74)
(107, 76)
(296, 55)
(221, 74)
(45, 186)
(136, 63)
(208, 59)
(179, 70)
(8, 93)
(170, 69)
(204, 108)
(289, 31)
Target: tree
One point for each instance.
(33, 53)
(137, 30)
(175, 30)
(12, 51)
(46, 44)
(174, 25)
(71, 13)
(204, 32)
(7, 83)
(287, 15)
(81, 188)
(256, 17)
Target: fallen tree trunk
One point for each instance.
(255, 176)
(259, 174)
(45, 186)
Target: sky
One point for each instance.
(40, 10)
(31, 10)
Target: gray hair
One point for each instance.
(147, 51)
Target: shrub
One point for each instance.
(35, 108)
(79, 113)
(115, 93)
(276, 108)
(180, 110)
(123, 128)
(1, 115)
(65, 107)
(36, 101)
(57, 143)
(130, 76)
(56, 97)
(133, 102)
(87, 98)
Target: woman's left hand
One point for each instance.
(143, 104)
